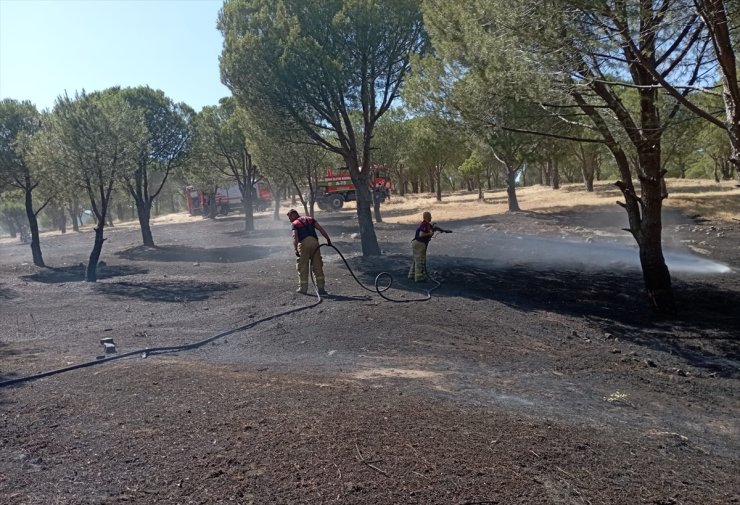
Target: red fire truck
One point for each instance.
(226, 199)
(336, 187)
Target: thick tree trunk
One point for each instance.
(643, 211)
(511, 190)
(588, 181)
(649, 239)
(143, 211)
(33, 225)
(588, 169)
(368, 238)
(91, 274)
(248, 204)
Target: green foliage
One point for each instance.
(93, 141)
(473, 165)
(326, 69)
(219, 143)
(308, 65)
(391, 145)
(12, 212)
(19, 122)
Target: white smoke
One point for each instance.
(507, 249)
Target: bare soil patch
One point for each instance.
(535, 374)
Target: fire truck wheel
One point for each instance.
(336, 202)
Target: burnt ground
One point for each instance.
(536, 373)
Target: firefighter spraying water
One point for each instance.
(424, 233)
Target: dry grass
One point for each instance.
(696, 196)
(707, 198)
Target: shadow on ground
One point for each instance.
(171, 253)
(76, 273)
(7, 293)
(260, 234)
(613, 300)
(8, 352)
(165, 291)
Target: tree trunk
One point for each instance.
(91, 274)
(588, 168)
(248, 179)
(654, 269)
(545, 174)
(248, 215)
(511, 189)
(62, 219)
(74, 214)
(368, 238)
(588, 180)
(438, 184)
(480, 187)
(644, 211)
(143, 210)
(33, 225)
(555, 174)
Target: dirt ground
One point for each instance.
(535, 374)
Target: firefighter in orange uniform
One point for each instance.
(423, 235)
(306, 246)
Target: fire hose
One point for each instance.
(378, 287)
(146, 352)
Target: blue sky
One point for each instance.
(48, 47)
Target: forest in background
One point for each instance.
(445, 97)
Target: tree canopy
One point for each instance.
(316, 66)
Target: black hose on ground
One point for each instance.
(154, 350)
(382, 275)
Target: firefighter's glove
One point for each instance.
(328, 242)
(297, 254)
